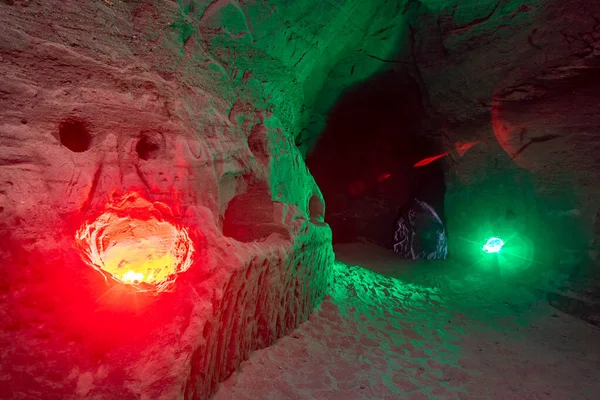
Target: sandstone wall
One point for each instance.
(101, 98)
(521, 78)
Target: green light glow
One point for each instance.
(493, 245)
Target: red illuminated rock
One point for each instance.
(101, 99)
(134, 243)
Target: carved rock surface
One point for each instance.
(208, 107)
(102, 98)
(507, 92)
(521, 79)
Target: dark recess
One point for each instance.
(249, 215)
(363, 160)
(74, 135)
(150, 145)
(316, 209)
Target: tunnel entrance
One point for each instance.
(363, 163)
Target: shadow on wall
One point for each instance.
(363, 160)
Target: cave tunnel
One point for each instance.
(271, 200)
(364, 164)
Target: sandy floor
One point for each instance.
(435, 330)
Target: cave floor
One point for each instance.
(424, 330)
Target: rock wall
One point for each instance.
(521, 78)
(102, 98)
(207, 106)
(509, 94)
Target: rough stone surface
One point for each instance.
(99, 98)
(209, 106)
(521, 78)
(516, 78)
(427, 330)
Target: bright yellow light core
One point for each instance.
(138, 252)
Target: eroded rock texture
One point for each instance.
(507, 92)
(521, 78)
(207, 106)
(101, 98)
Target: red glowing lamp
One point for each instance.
(133, 243)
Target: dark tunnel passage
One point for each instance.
(363, 163)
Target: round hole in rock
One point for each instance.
(364, 163)
(150, 145)
(74, 135)
(249, 216)
(134, 244)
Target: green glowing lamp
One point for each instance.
(493, 245)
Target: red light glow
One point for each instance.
(462, 148)
(133, 244)
(383, 177)
(429, 160)
(357, 187)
